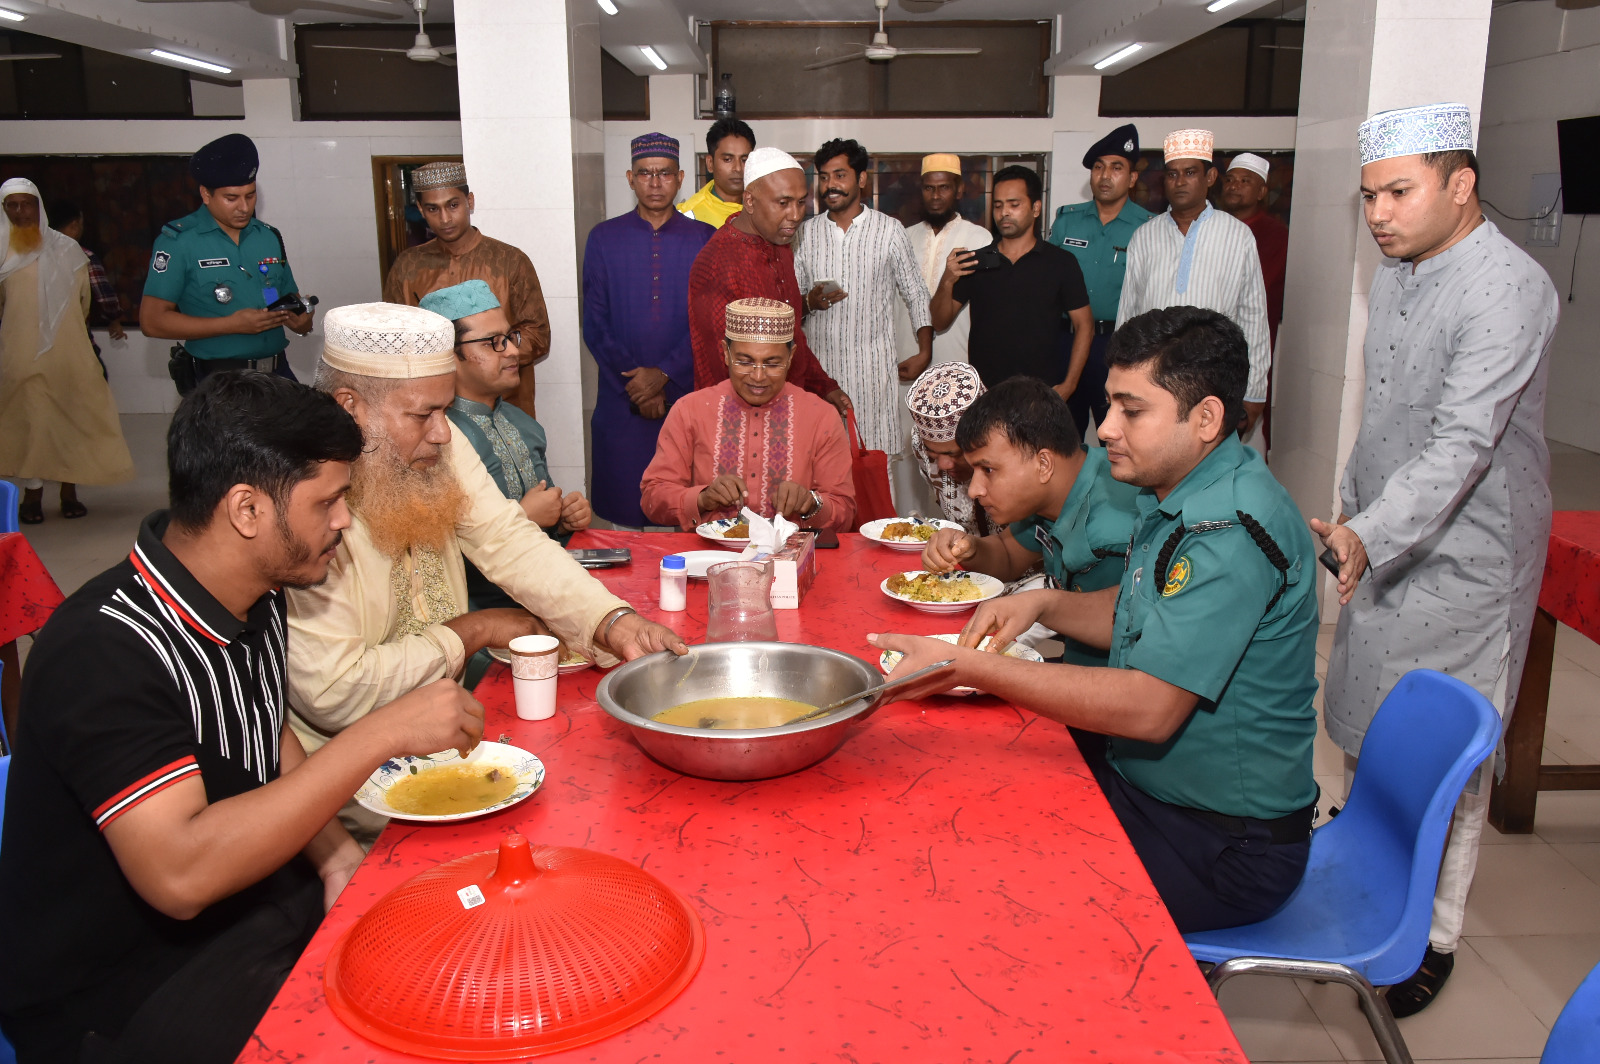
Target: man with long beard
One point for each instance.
(392, 615)
(58, 420)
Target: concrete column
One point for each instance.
(533, 143)
(1360, 56)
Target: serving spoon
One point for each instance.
(825, 710)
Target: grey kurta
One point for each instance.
(1449, 482)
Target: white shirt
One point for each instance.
(854, 339)
(1215, 267)
(932, 249)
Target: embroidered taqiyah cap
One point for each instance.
(430, 176)
(940, 396)
(1188, 144)
(764, 161)
(1123, 141)
(388, 340)
(654, 146)
(941, 162)
(759, 320)
(1252, 162)
(1415, 131)
(460, 300)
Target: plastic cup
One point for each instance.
(534, 660)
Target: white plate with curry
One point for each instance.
(904, 533)
(942, 592)
(445, 786)
(1021, 651)
(717, 532)
(571, 661)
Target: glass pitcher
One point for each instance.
(741, 609)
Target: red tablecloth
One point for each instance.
(949, 886)
(27, 594)
(1571, 588)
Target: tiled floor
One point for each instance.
(1533, 919)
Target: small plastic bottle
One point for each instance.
(674, 584)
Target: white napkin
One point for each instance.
(768, 537)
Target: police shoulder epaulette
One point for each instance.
(1210, 526)
(174, 228)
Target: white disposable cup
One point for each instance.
(533, 675)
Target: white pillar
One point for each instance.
(1360, 56)
(533, 144)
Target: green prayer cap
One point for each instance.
(460, 300)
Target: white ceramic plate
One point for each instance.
(502, 655)
(873, 530)
(1021, 651)
(713, 530)
(990, 587)
(528, 770)
(696, 562)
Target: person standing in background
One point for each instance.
(1097, 232)
(69, 221)
(636, 325)
(1244, 195)
(729, 143)
(459, 252)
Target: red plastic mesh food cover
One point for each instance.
(529, 951)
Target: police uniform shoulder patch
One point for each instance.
(1178, 577)
(159, 262)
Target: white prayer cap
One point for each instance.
(764, 161)
(1252, 162)
(1416, 131)
(388, 340)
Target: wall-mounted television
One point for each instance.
(1579, 140)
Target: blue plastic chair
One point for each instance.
(1575, 1039)
(1361, 914)
(9, 500)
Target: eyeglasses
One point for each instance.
(497, 343)
(770, 364)
(653, 176)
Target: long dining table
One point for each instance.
(949, 886)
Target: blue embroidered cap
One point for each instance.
(460, 300)
(654, 145)
(1416, 131)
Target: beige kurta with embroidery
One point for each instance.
(375, 629)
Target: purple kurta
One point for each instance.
(635, 313)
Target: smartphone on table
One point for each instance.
(602, 557)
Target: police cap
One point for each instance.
(226, 162)
(1123, 141)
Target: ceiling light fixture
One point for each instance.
(198, 64)
(12, 16)
(1117, 57)
(1218, 5)
(650, 54)
(607, 6)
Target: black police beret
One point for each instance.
(226, 162)
(1123, 141)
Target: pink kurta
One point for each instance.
(708, 433)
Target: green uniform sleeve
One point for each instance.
(168, 269)
(1199, 617)
(288, 284)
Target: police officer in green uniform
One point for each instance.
(213, 274)
(1054, 500)
(1212, 636)
(1097, 231)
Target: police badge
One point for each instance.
(223, 293)
(159, 263)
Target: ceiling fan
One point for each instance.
(422, 50)
(881, 51)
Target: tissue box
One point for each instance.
(794, 570)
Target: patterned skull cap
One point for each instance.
(388, 340)
(1188, 144)
(654, 146)
(1416, 131)
(940, 396)
(759, 320)
(430, 176)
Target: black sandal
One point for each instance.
(31, 510)
(1418, 992)
(73, 508)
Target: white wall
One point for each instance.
(315, 186)
(1544, 65)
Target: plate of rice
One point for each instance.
(730, 532)
(571, 660)
(1021, 651)
(941, 592)
(904, 533)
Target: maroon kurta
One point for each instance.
(1272, 244)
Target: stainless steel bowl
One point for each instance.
(814, 675)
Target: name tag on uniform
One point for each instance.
(1074, 242)
(204, 263)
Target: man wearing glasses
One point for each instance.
(636, 324)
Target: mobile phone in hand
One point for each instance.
(1330, 561)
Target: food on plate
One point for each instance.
(572, 657)
(908, 530)
(935, 587)
(450, 789)
(752, 712)
(738, 531)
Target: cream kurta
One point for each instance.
(347, 655)
(58, 419)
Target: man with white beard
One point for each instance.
(392, 614)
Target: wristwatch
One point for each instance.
(816, 507)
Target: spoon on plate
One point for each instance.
(825, 710)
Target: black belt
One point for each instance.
(1285, 830)
(1104, 328)
(214, 365)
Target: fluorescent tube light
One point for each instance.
(607, 6)
(12, 16)
(198, 64)
(1117, 57)
(650, 54)
(1218, 5)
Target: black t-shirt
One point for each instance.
(139, 681)
(1019, 315)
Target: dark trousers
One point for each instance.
(1090, 398)
(1207, 875)
(204, 367)
(203, 1013)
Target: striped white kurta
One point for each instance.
(1216, 266)
(854, 339)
